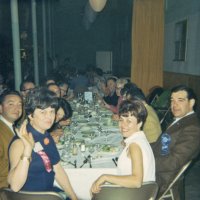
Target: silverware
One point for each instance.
(75, 164)
(84, 162)
(115, 160)
(89, 160)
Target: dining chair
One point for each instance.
(147, 191)
(8, 194)
(168, 194)
(162, 104)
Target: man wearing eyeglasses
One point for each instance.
(25, 87)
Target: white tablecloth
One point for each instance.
(82, 179)
(102, 163)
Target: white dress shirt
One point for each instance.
(9, 124)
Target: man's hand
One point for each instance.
(56, 134)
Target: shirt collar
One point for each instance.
(9, 124)
(129, 139)
(36, 134)
(177, 119)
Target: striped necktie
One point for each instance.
(14, 129)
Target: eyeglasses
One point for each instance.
(27, 90)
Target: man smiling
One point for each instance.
(181, 141)
(11, 110)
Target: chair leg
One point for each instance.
(172, 195)
(168, 196)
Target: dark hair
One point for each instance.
(127, 87)
(23, 83)
(111, 78)
(61, 83)
(40, 98)
(8, 92)
(189, 91)
(136, 108)
(98, 71)
(132, 91)
(62, 103)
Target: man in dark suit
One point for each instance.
(111, 98)
(180, 142)
(10, 111)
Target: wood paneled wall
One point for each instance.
(147, 43)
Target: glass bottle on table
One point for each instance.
(83, 146)
(74, 149)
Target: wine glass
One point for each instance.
(91, 149)
(106, 136)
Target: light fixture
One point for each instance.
(97, 5)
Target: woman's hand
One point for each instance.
(27, 139)
(68, 122)
(104, 104)
(56, 134)
(115, 117)
(96, 186)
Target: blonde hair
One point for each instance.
(121, 81)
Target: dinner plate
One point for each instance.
(109, 149)
(85, 128)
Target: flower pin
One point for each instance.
(46, 141)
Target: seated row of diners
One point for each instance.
(30, 161)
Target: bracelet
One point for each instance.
(28, 158)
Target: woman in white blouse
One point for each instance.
(136, 163)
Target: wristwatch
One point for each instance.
(27, 158)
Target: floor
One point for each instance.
(192, 182)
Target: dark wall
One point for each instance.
(111, 31)
(5, 38)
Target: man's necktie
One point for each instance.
(46, 161)
(14, 129)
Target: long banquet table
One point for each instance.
(89, 147)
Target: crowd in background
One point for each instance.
(139, 122)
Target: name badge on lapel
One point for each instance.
(38, 147)
(165, 142)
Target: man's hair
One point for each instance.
(189, 91)
(62, 83)
(23, 83)
(136, 108)
(111, 79)
(40, 98)
(62, 103)
(8, 92)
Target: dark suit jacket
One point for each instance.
(111, 100)
(184, 146)
(6, 136)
